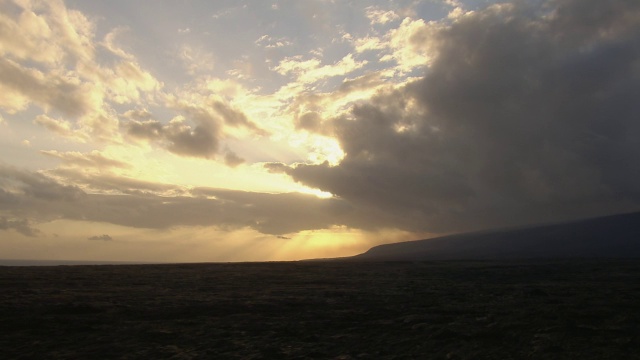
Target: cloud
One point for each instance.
(235, 118)
(134, 203)
(93, 159)
(232, 159)
(52, 59)
(25, 36)
(310, 110)
(411, 45)
(110, 44)
(59, 126)
(104, 237)
(201, 140)
(379, 16)
(22, 85)
(180, 136)
(368, 43)
(22, 226)
(109, 183)
(197, 60)
(16, 184)
(150, 130)
(269, 42)
(205, 120)
(525, 114)
(128, 81)
(310, 71)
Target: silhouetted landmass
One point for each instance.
(616, 236)
(579, 309)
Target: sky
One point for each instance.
(191, 131)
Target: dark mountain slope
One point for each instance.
(611, 236)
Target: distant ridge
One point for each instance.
(616, 236)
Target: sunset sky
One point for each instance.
(278, 130)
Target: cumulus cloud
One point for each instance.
(527, 113)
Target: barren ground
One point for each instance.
(323, 310)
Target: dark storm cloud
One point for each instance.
(529, 112)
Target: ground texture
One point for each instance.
(323, 310)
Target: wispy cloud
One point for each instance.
(93, 159)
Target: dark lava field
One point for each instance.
(577, 309)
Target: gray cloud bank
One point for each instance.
(528, 113)
(20, 225)
(140, 204)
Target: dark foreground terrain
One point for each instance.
(323, 310)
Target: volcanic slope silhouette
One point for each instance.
(616, 236)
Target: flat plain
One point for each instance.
(574, 309)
